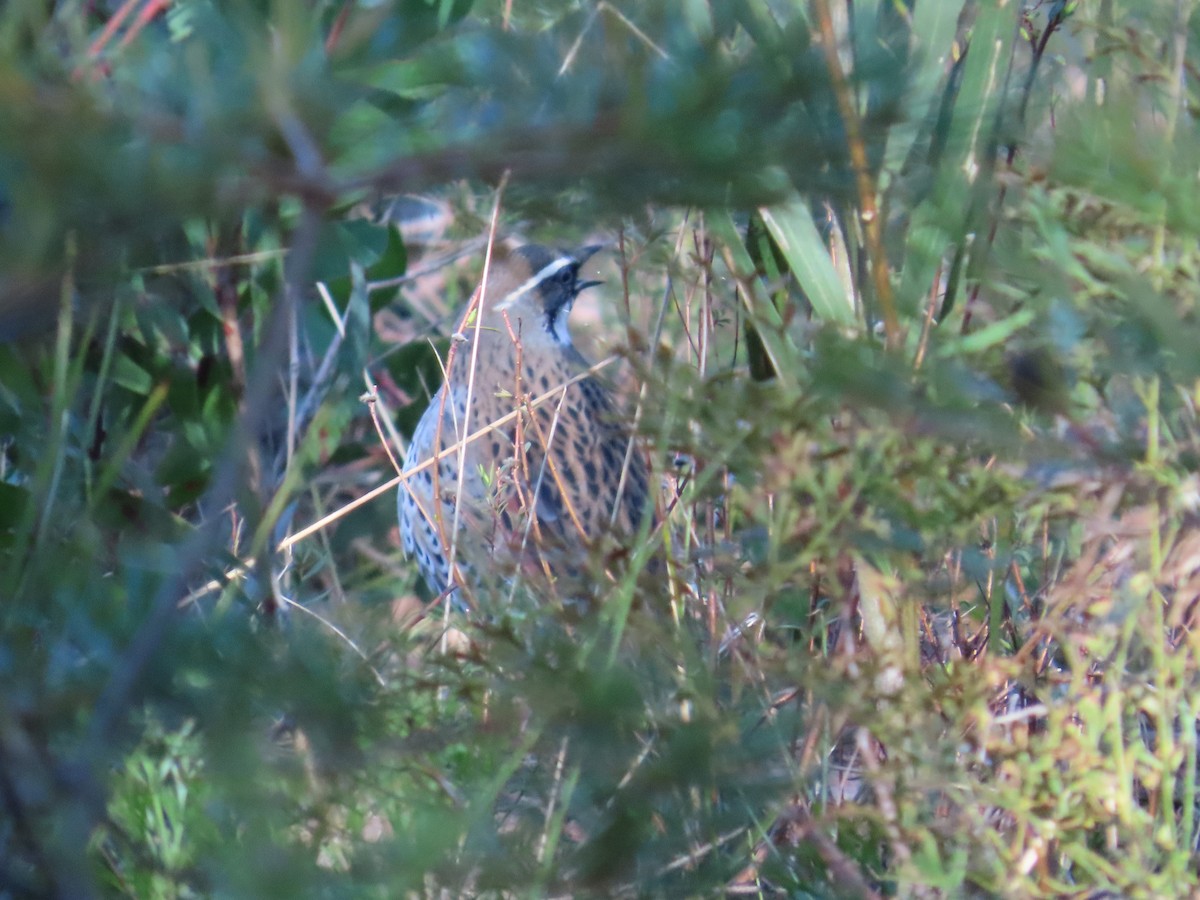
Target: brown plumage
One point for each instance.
(538, 489)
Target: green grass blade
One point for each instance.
(796, 234)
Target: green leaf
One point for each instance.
(932, 38)
(392, 263)
(342, 243)
(356, 350)
(963, 153)
(796, 234)
(416, 370)
(990, 336)
(130, 375)
(13, 502)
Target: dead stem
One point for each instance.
(477, 306)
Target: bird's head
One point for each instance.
(536, 287)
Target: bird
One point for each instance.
(542, 485)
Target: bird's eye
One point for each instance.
(566, 276)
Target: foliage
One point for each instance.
(911, 291)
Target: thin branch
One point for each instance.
(341, 634)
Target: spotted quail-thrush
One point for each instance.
(539, 488)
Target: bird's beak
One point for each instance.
(583, 254)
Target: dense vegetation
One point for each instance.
(903, 295)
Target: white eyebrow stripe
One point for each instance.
(552, 268)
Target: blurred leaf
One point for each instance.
(357, 321)
(989, 336)
(416, 370)
(795, 233)
(963, 152)
(343, 243)
(932, 33)
(129, 375)
(14, 501)
(392, 263)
